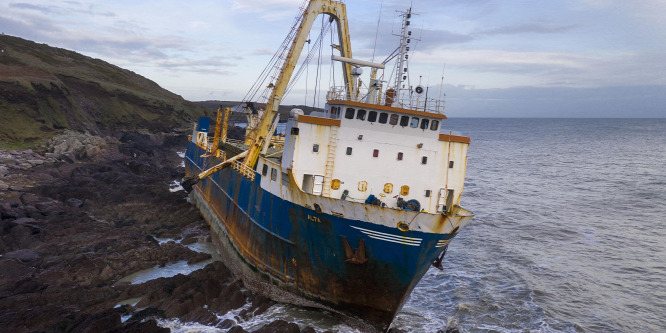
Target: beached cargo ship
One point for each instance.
(354, 204)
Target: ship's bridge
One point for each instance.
(377, 154)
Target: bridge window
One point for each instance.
(383, 117)
(414, 123)
(394, 119)
(404, 121)
(335, 111)
(264, 170)
(349, 113)
(424, 124)
(360, 115)
(434, 125)
(273, 174)
(372, 116)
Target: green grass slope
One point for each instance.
(44, 90)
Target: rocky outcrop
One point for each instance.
(70, 233)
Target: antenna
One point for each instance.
(441, 84)
(377, 33)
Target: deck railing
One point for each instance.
(405, 98)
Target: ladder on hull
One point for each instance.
(330, 161)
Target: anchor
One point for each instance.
(438, 261)
(355, 256)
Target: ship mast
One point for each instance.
(337, 12)
(403, 62)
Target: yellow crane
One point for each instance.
(337, 12)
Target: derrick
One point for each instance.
(338, 13)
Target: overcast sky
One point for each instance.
(568, 58)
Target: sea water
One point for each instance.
(569, 234)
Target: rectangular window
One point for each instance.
(414, 123)
(434, 126)
(315, 148)
(424, 124)
(372, 116)
(285, 179)
(273, 174)
(383, 118)
(349, 150)
(427, 193)
(404, 121)
(375, 153)
(394, 119)
(264, 170)
(335, 111)
(349, 114)
(360, 115)
(450, 164)
(400, 156)
(424, 160)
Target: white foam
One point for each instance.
(181, 267)
(175, 186)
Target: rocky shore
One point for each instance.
(81, 213)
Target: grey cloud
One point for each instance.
(20, 5)
(187, 63)
(539, 28)
(75, 7)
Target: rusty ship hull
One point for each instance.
(307, 257)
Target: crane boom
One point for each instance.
(338, 12)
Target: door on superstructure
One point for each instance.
(449, 201)
(318, 185)
(307, 183)
(445, 200)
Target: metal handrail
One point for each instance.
(406, 100)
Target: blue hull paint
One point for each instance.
(277, 239)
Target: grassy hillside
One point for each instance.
(45, 89)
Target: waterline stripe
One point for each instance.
(388, 235)
(390, 238)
